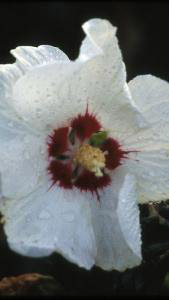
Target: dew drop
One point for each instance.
(10, 124)
(42, 151)
(26, 139)
(28, 219)
(44, 215)
(35, 241)
(55, 239)
(151, 173)
(26, 154)
(38, 111)
(69, 217)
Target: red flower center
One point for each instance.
(64, 143)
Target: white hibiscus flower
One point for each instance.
(77, 153)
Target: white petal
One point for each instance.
(106, 68)
(29, 57)
(128, 214)
(23, 159)
(99, 33)
(56, 92)
(116, 224)
(110, 101)
(8, 76)
(100, 82)
(51, 220)
(150, 163)
(39, 98)
(121, 120)
(105, 88)
(151, 168)
(151, 95)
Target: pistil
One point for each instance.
(91, 158)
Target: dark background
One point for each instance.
(143, 29)
(143, 33)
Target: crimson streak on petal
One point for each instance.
(87, 181)
(85, 125)
(114, 153)
(61, 173)
(62, 148)
(58, 142)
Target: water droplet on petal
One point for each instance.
(26, 139)
(28, 219)
(44, 215)
(42, 151)
(69, 217)
(55, 239)
(151, 173)
(10, 124)
(27, 156)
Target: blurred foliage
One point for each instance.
(65, 278)
(29, 284)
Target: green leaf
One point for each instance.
(166, 280)
(98, 138)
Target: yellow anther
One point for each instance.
(91, 158)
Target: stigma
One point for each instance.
(91, 158)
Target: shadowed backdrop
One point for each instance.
(142, 29)
(143, 38)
